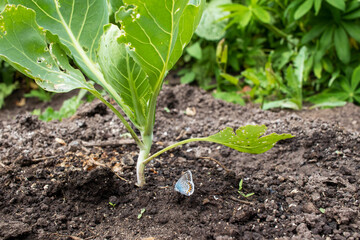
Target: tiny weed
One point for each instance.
(141, 213)
(241, 192)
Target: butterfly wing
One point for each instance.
(185, 184)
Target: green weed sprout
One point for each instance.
(112, 204)
(142, 211)
(241, 192)
(128, 58)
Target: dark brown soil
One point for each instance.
(76, 179)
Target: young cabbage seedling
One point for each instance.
(129, 58)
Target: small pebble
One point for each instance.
(74, 146)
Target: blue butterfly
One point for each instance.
(185, 184)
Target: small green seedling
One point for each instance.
(112, 204)
(241, 192)
(322, 210)
(66, 45)
(141, 213)
(166, 109)
(68, 109)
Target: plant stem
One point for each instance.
(279, 33)
(140, 165)
(119, 115)
(146, 161)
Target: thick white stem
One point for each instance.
(143, 155)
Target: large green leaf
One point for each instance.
(247, 139)
(78, 23)
(156, 33)
(35, 52)
(124, 75)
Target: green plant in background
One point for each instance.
(228, 90)
(200, 54)
(264, 84)
(344, 89)
(243, 49)
(41, 94)
(331, 32)
(68, 109)
(259, 30)
(212, 26)
(5, 90)
(253, 26)
(7, 84)
(292, 85)
(203, 69)
(334, 26)
(242, 15)
(128, 59)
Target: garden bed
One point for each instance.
(76, 179)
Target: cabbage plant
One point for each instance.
(71, 44)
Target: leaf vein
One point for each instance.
(84, 20)
(47, 14)
(72, 12)
(97, 33)
(154, 19)
(150, 42)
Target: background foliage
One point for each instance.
(278, 53)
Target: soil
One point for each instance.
(75, 179)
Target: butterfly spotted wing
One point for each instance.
(185, 184)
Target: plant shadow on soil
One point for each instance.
(75, 179)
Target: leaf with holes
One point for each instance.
(247, 139)
(36, 52)
(78, 23)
